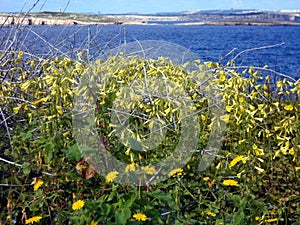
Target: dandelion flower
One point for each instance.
(235, 161)
(78, 205)
(37, 185)
(140, 217)
(111, 176)
(177, 171)
(230, 182)
(94, 223)
(130, 167)
(33, 219)
(289, 107)
(149, 169)
(211, 214)
(271, 220)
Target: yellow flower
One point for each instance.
(260, 170)
(37, 185)
(240, 174)
(257, 218)
(177, 171)
(258, 151)
(230, 182)
(271, 220)
(140, 217)
(225, 118)
(130, 167)
(228, 108)
(222, 76)
(206, 178)
(288, 107)
(33, 219)
(149, 169)
(111, 176)
(78, 205)
(235, 161)
(211, 214)
(94, 223)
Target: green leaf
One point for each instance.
(122, 215)
(162, 196)
(74, 153)
(129, 202)
(26, 168)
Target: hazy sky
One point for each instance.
(143, 6)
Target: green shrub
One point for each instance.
(254, 178)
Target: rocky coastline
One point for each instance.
(198, 19)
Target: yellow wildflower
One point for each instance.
(111, 176)
(241, 99)
(289, 107)
(206, 178)
(271, 220)
(33, 219)
(211, 214)
(78, 205)
(177, 171)
(235, 161)
(291, 151)
(130, 167)
(94, 223)
(140, 217)
(210, 184)
(228, 108)
(240, 174)
(260, 170)
(230, 182)
(37, 185)
(258, 151)
(225, 118)
(149, 169)
(222, 76)
(242, 141)
(257, 218)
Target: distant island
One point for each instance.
(199, 18)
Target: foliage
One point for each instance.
(253, 180)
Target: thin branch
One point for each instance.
(19, 165)
(254, 49)
(153, 177)
(15, 185)
(6, 126)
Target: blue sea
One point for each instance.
(210, 43)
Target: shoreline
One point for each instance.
(239, 23)
(15, 20)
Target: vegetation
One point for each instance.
(253, 179)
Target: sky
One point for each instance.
(143, 6)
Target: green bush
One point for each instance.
(254, 178)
